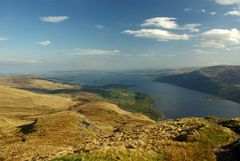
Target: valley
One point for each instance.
(50, 120)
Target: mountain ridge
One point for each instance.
(221, 81)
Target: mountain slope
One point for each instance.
(86, 126)
(37, 125)
(108, 116)
(223, 81)
(30, 82)
(16, 102)
(49, 135)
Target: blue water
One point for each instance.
(177, 102)
(174, 102)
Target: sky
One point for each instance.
(62, 35)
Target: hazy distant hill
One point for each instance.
(222, 81)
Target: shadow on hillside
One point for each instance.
(229, 152)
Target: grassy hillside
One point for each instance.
(72, 136)
(130, 101)
(108, 116)
(16, 102)
(184, 139)
(28, 82)
(33, 125)
(78, 124)
(222, 81)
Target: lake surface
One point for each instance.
(174, 102)
(177, 102)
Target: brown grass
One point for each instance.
(52, 135)
(32, 82)
(16, 102)
(107, 116)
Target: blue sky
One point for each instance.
(49, 35)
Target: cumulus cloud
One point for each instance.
(220, 38)
(213, 13)
(99, 52)
(228, 2)
(158, 34)
(158, 28)
(44, 43)
(233, 13)
(169, 23)
(54, 19)
(163, 22)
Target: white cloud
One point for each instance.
(79, 51)
(213, 13)
(231, 35)
(203, 10)
(220, 38)
(54, 19)
(44, 43)
(228, 2)
(3, 39)
(233, 13)
(158, 34)
(100, 27)
(163, 22)
(158, 28)
(169, 23)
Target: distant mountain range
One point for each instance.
(223, 81)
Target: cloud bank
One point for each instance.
(228, 2)
(220, 38)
